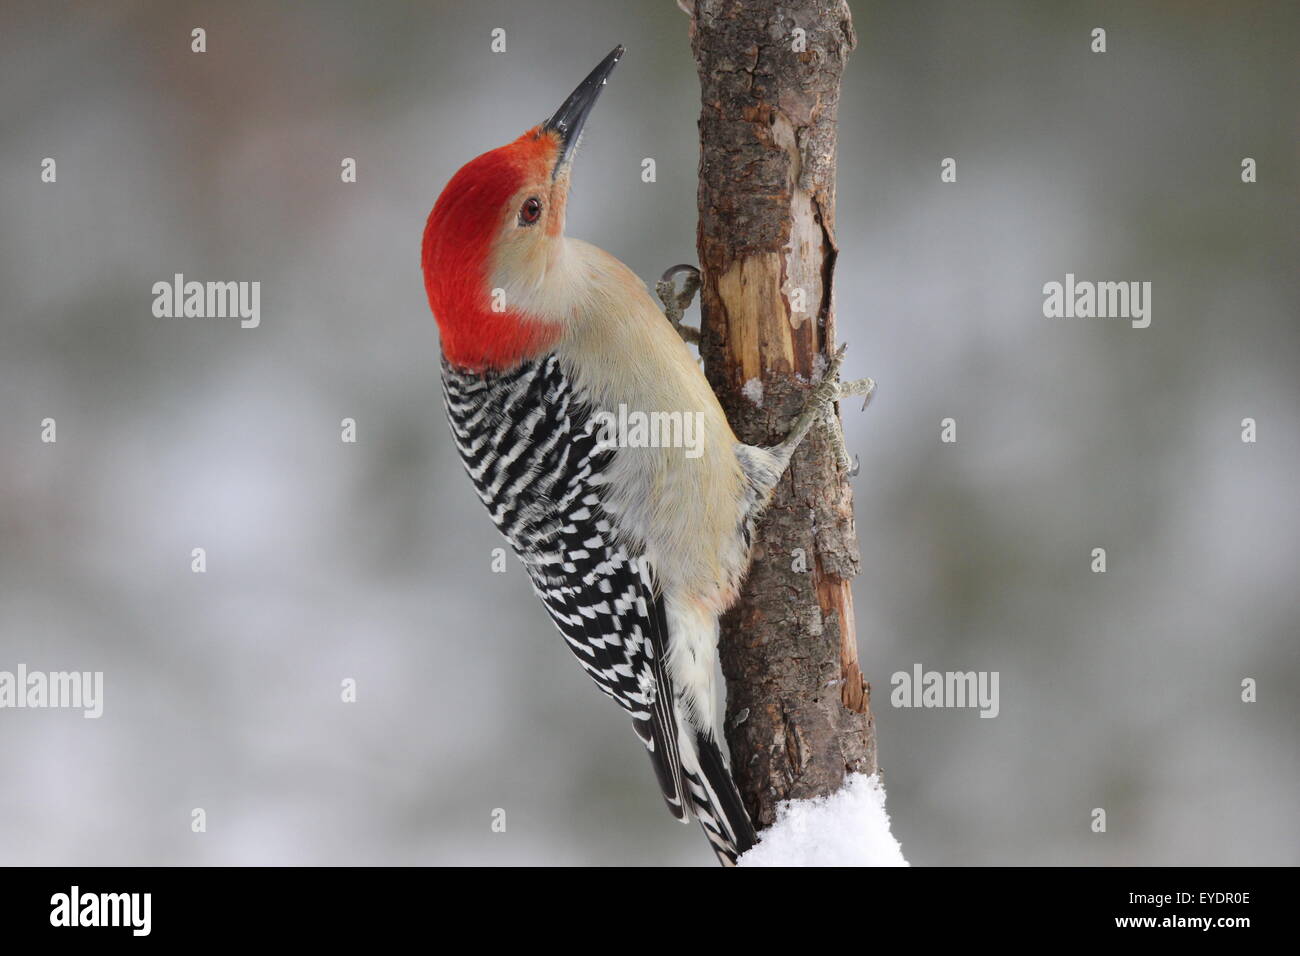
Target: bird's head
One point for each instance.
(497, 232)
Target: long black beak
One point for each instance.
(572, 114)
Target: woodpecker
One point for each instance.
(634, 549)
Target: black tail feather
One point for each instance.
(718, 803)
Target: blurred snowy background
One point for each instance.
(371, 561)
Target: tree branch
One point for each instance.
(798, 714)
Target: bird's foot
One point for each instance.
(865, 387)
(820, 406)
(676, 303)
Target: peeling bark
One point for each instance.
(798, 710)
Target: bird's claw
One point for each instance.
(676, 303)
(859, 386)
(822, 405)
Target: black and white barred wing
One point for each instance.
(530, 447)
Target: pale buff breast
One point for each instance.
(620, 350)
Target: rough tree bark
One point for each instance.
(798, 716)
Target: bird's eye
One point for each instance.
(530, 211)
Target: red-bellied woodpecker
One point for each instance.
(634, 546)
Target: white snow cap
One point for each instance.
(846, 828)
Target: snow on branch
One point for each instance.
(847, 828)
